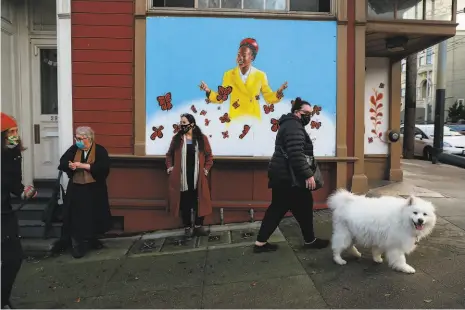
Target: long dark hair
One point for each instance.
(197, 135)
(4, 138)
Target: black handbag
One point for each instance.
(317, 175)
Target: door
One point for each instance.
(420, 143)
(45, 109)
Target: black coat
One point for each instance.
(11, 184)
(295, 141)
(87, 205)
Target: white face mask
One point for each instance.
(11, 146)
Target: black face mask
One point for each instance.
(305, 119)
(185, 128)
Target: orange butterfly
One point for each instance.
(225, 118)
(207, 101)
(203, 112)
(274, 125)
(236, 104)
(157, 132)
(193, 109)
(316, 110)
(245, 131)
(225, 134)
(268, 108)
(223, 93)
(176, 128)
(207, 122)
(315, 125)
(165, 102)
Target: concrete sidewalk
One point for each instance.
(229, 275)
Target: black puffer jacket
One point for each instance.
(295, 141)
(11, 176)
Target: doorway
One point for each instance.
(45, 109)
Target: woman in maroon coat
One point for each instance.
(188, 161)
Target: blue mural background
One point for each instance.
(182, 51)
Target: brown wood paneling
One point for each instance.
(85, 31)
(350, 86)
(110, 117)
(103, 80)
(376, 167)
(102, 7)
(103, 68)
(102, 19)
(102, 34)
(103, 44)
(102, 56)
(138, 188)
(102, 93)
(103, 105)
(109, 129)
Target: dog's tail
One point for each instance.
(339, 198)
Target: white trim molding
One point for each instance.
(65, 87)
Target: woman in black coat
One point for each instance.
(87, 214)
(12, 253)
(293, 142)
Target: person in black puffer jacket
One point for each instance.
(12, 253)
(288, 193)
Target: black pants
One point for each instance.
(12, 255)
(190, 200)
(299, 201)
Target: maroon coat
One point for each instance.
(205, 162)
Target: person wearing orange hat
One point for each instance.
(12, 252)
(243, 84)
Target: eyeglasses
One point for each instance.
(80, 139)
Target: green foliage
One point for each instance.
(456, 112)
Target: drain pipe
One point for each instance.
(222, 216)
(251, 211)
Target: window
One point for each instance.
(402, 93)
(322, 6)
(404, 65)
(48, 81)
(429, 56)
(422, 60)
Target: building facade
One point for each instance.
(129, 68)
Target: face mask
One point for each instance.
(80, 144)
(185, 128)
(305, 119)
(13, 141)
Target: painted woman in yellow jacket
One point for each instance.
(246, 84)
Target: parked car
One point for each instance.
(454, 142)
(460, 128)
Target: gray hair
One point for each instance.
(86, 131)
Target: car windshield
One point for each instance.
(450, 132)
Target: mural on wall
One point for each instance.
(237, 77)
(376, 105)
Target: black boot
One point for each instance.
(200, 231)
(79, 250)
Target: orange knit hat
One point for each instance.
(7, 122)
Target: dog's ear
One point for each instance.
(410, 200)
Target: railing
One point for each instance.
(435, 10)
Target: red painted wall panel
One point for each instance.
(103, 70)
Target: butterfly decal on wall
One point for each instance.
(274, 125)
(193, 109)
(315, 125)
(268, 108)
(236, 104)
(157, 133)
(223, 93)
(245, 131)
(203, 112)
(165, 102)
(225, 134)
(207, 101)
(225, 118)
(207, 122)
(176, 128)
(316, 110)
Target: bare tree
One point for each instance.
(410, 106)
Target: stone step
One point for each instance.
(35, 229)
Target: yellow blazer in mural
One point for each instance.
(244, 98)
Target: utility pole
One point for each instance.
(440, 102)
(410, 106)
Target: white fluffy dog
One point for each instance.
(389, 225)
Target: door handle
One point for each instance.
(36, 133)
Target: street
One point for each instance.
(229, 275)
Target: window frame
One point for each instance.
(243, 12)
